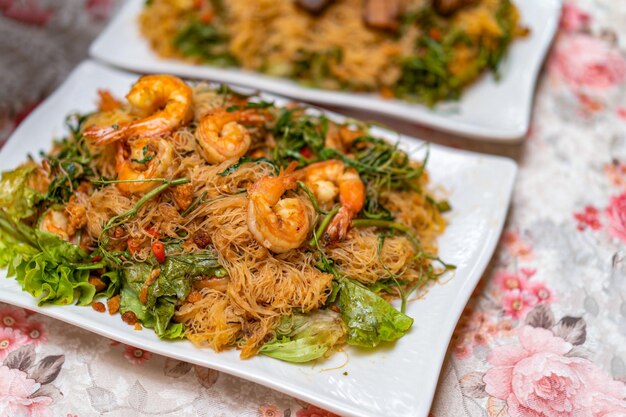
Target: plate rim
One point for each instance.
(345, 408)
(286, 87)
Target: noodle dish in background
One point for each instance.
(416, 50)
(447, 64)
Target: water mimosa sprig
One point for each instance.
(311, 196)
(323, 226)
(104, 181)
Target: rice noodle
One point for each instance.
(276, 36)
(260, 286)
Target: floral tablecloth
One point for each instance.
(545, 332)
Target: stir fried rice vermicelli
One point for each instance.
(225, 219)
(416, 50)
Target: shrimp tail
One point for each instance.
(107, 101)
(291, 171)
(104, 135)
(338, 228)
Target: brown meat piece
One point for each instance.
(84, 187)
(77, 215)
(201, 239)
(97, 282)
(183, 196)
(382, 14)
(113, 304)
(448, 7)
(194, 296)
(129, 318)
(98, 306)
(118, 232)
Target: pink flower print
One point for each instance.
(589, 217)
(517, 303)
(507, 281)
(35, 332)
(505, 326)
(543, 293)
(515, 245)
(266, 410)
(491, 329)
(616, 216)
(584, 61)
(10, 339)
(528, 272)
(537, 379)
(136, 356)
(473, 330)
(12, 317)
(621, 112)
(477, 319)
(462, 351)
(608, 406)
(16, 391)
(481, 338)
(574, 19)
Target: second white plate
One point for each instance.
(489, 109)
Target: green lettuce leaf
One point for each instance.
(178, 272)
(133, 278)
(129, 302)
(56, 248)
(17, 243)
(114, 283)
(171, 287)
(163, 312)
(157, 317)
(305, 337)
(17, 198)
(58, 273)
(370, 319)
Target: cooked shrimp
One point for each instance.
(57, 222)
(107, 102)
(278, 224)
(341, 137)
(328, 179)
(221, 137)
(163, 102)
(143, 159)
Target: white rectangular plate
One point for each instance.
(397, 380)
(489, 109)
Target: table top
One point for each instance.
(543, 335)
